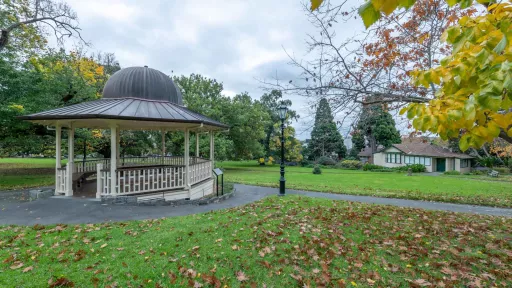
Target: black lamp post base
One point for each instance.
(282, 184)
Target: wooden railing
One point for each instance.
(102, 180)
(61, 180)
(90, 165)
(158, 160)
(132, 179)
(200, 171)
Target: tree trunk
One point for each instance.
(4, 39)
(373, 144)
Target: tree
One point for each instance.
(378, 127)
(24, 22)
(372, 67)
(247, 118)
(475, 96)
(292, 145)
(325, 137)
(56, 79)
(272, 101)
(358, 143)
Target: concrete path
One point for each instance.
(72, 210)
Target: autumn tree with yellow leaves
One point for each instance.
(474, 99)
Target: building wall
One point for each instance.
(461, 170)
(380, 158)
(431, 168)
(450, 164)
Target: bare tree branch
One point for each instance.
(43, 14)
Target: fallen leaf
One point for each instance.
(29, 268)
(61, 282)
(17, 265)
(240, 276)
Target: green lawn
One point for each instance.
(19, 173)
(460, 189)
(22, 173)
(288, 241)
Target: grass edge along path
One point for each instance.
(379, 184)
(292, 241)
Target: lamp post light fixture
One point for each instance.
(282, 114)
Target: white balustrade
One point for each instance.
(150, 179)
(61, 181)
(167, 160)
(103, 180)
(89, 165)
(135, 180)
(200, 171)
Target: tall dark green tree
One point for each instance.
(378, 127)
(326, 140)
(358, 143)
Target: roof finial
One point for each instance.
(145, 66)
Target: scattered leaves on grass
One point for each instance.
(288, 242)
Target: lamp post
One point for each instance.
(282, 114)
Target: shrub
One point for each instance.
(488, 162)
(417, 168)
(502, 170)
(324, 160)
(478, 172)
(370, 167)
(317, 170)
(451, 173)
(350, 164)
(401, 168)
(310, 166)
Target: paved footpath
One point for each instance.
(75, 210)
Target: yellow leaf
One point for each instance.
(315, 4)
(386, 6)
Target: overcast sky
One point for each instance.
(233, 41)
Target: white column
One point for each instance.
(99, 183)
(212, 148)
(163, 146)
(197, 145)
(58, 154)
(113, 159)
(186, 158)
(118, 147)
(71, 159)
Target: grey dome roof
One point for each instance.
(142, 83)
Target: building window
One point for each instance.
(427, 161)
(393, 158)
(464, 163)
